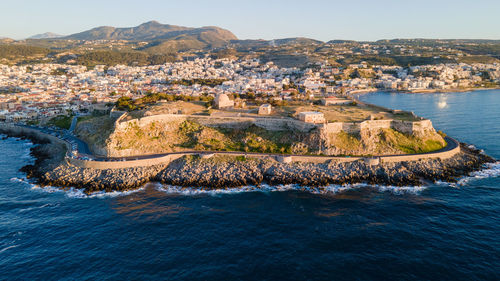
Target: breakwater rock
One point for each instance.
(221, 172)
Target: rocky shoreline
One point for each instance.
(220, 172)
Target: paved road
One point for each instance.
(77, 144)
(451, 144)
(73, 124)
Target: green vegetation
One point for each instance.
(127, 104)
(478, 59)
(408, 144)
(189, 134)
(111, 58)
(347, 142)
(17, 51)
(252, 139)
(61, 121)
(95, 130)
(202, 82)
(393, 60)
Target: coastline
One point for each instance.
(458, 90)
(423, 91)
(221, 172)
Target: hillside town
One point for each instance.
(41, 91)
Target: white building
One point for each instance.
(265, 109)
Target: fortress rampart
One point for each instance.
(419, 128)
(268, 123)
(451, 150)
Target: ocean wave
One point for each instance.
(329, 189)
(9, 247)
(48, 205)
(74, 192)
(80, 194)
(490, 170)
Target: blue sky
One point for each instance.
(255, 19)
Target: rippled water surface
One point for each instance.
(350, 232)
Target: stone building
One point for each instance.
(222, 101)
(312, 117)
(265, 109)
(335, 101)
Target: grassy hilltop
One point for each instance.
(189, 134)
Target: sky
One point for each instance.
(270, 19)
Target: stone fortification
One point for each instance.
(268, 123)
(417, 128)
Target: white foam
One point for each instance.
(329, 189)
(6, 248)
(49, 205)
(74, 192)
(78, 193)
(490, 170)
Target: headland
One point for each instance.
(190, 159)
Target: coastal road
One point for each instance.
(73, 124)
(451, 144)
(76, 143)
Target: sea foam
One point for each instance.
(325, 190)
(490, 170)
(74, 192)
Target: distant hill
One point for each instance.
(5, 40)
(275, 42)
(295, 40)
(162, 37)
(24, 51)
(46, 35)
(337, 41)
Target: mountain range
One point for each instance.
(166, 38)
(161, 37)
(46, 35)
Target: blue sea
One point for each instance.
(353, 232)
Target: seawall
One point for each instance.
(452, 149)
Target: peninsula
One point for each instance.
(224, 143)
(113, 108)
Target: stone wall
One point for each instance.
(451, 150)
(268, 123)
(21, 130)
(418, 128)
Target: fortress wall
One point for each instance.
(418, 128)
(422, 127)
(104, 165)
(24, 131)
(241, 123)
(271, 124)
(375, 125)
(438, 155)
(337, 127)
(351, 127)
(402, 126)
